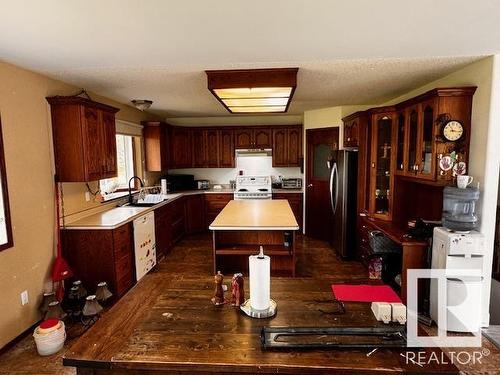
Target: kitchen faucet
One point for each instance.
(130, 199)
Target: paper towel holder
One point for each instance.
(247, 308)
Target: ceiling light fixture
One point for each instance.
(142, 104)
(253, 90)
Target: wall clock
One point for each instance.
(452, 130)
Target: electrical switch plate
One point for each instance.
(24, 298)
(87, 196)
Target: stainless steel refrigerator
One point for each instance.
(343, 199)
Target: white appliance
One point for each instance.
(144, 244)
(253, 187)
(454, 251)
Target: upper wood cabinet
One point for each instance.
(259, 137)
(382, 164)
(205, 148)
(181, 155)
(156, 145)
(287, 146)
(84, 137)
(351, 132)
(226, 148)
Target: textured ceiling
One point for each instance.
(348, 52)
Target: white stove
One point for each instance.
(253, 187)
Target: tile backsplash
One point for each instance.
(255, 165)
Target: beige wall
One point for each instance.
(25, 117)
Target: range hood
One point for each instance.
(251, 152)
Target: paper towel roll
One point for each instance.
(260, 280)
(164, 186)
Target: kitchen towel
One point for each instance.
(364, 293)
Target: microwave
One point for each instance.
(291, 183)
(203, 184)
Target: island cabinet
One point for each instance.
(257, 137)
(214, 203)
(97, 255)
(295, 200)
(156, 146)
(84, 136)
(287, 146)
(245, 225)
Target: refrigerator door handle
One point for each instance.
(334, 188)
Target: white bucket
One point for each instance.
(51, 342)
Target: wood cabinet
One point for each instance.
(205, 148)
(156, 146)
(84, 136)
(351, 132)
(287, 146)
(163, 232)
(382, 163)
(102, 255)
(226, 148)
(214, 203)
(296, 203)
(181, 147)
(259, 137)
(195, 213)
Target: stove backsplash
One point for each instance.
(255, 165)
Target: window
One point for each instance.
(5, 227)
(125, 162)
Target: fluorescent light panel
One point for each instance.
(255, 92)
(255, 102)
(280, 108)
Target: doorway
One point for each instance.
(321, 144)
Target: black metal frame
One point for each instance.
(390, 337)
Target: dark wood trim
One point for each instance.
(448, 91)
(77, 100)
(496, 248)
(5, 193)
(244, 78)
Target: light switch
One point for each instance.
(24, 298)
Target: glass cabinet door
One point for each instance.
(400, 143)
(412, 141)
(382, 166)
(427, 136)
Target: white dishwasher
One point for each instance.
(144, 244)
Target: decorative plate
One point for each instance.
(445, 163)
(460, 168)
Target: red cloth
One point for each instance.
(364, 293)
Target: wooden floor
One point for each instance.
(193, 255)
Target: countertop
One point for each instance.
(272, 214)
(117, 216)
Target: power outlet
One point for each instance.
(24, 298)
(87, 196)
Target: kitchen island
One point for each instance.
(167, 325)
(244, 225)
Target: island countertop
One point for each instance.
(275, 214)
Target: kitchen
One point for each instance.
(165, 199)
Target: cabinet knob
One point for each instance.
(310, 185)
(373, 165)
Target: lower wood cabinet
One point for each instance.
(214, 203)
(102, 255)
(295, 201)
(195, 213)
(170, 225)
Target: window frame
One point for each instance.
(5, 196)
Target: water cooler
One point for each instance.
(453, 251)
